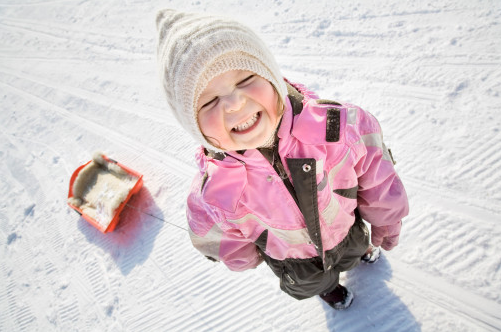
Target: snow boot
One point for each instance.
(372, 255)
(340, 298)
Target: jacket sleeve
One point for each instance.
(382, 200)
(230, 246)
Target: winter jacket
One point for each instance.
(330, 161)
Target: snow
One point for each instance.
(80, 76)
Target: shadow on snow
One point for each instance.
(132, 240)
(375, 307)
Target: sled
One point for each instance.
(100, 189)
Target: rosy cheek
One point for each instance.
(208, 123)
(203, 124)
(263, 88)
(257, 88)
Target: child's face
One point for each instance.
(238, 110)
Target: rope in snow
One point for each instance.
(151, 215)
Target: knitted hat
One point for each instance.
(195, 48)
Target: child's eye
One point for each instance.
(246, 81)
(211, 102)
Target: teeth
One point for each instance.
(247, 124)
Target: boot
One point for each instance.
(371, 255)
(340, 298)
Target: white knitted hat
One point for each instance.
(195, 48)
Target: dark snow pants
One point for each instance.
(304, 278)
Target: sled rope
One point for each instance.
(151, 215)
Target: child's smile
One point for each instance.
(238, 110)
(247, 125)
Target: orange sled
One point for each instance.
(100, 189)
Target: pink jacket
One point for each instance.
(339, 146)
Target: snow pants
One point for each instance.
(304, 278)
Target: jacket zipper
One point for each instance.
(276, 163)
(280, 170)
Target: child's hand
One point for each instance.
(386, 236)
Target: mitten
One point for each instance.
(386, 236)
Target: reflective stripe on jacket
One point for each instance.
(336, 160)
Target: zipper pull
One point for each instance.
(291, 281)
(281, 171)
(277, 164)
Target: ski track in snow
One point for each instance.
(76, 78)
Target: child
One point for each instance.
(284, 177)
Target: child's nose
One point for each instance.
(234, 101)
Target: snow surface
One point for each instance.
(80, 76)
